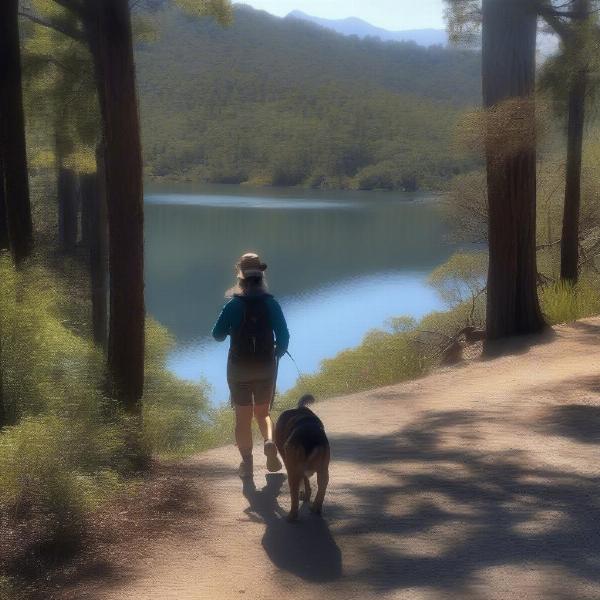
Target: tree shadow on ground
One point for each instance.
(306, 548)
(456, 509)
(517, 345)
(588, 332)
(578, 422)
(166, 503)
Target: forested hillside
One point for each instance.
(283, 102)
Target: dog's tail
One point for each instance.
(306, 400)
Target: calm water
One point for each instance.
(339, 263)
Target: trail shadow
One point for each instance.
(575, 421)
(306, 548)
(167, 502)
(588, 332)
(517, 345)
(457, 509)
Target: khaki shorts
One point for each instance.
(250, 385)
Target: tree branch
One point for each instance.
(553, 18)
(75, 6)
(67, 30)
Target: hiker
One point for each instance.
(259, 337)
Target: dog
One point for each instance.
(303, 445)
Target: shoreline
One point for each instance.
(158, 181)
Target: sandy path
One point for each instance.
(480, 482)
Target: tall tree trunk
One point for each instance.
(4, 242)
(94, 203)
(3, 412)
(67, 210)
(109, 30)
(85, 207)
(12, 134)
(569, 250)
(508, 70)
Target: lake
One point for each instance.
(340, 263)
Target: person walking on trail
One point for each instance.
(259, 337)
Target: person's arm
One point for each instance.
(225, 321)
(280, 328)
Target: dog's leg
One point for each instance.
(306, 494)
(294, 483)
(322, 482)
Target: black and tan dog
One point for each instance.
(301, 441)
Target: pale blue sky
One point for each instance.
(389, 14)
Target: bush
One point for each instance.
(176, 415)
(564, 303)
(409, 348)
(63, 449)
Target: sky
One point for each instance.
(389, 14)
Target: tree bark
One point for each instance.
(569, 250)
(508, 74)
(67, 210)
(94, 202)
(3, 412)
(109, 29)
(4, 242)
(12, 134)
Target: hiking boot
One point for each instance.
(246, 469)
(273, 462)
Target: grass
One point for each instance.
(405, 351)
(565, 303)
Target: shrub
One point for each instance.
(175, 412)
(63, 450)
(564, 303)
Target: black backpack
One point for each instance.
(254, 341)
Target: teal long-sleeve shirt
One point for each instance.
(231, 318)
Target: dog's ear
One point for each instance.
(306, 400)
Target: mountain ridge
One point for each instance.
(361, 28)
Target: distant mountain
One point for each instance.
(355, 26)
(276, 101)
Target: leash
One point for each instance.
(300, 375)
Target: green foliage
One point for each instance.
(46, 368)
(382, 359)
(461, 279)
(565, 303)
(63, 450)
(579, 53)
(250, 103)
(219, 9)
(175, 411)
(463, 18)
(409, 350)
(60, 94)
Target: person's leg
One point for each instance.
(263, 394)
(243, 429)
(241, 400)
(243, 438)
(263, 419)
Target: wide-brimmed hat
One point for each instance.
(250, 265)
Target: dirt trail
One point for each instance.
(479, 482)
